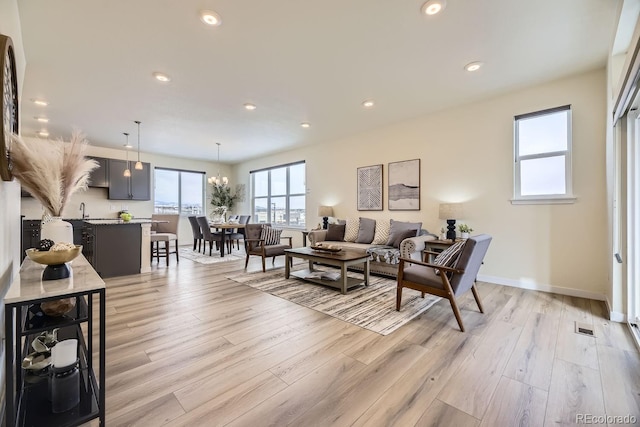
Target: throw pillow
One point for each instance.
(335, 232)
(382, 232)
(398, 227)
(366, 230)
(351, 230)
(271, 236)
(449, 256)
(404, 235)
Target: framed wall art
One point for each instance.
(404, 185)
(370, 188)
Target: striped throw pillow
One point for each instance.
(383, 227)
(351, 230)
(449, 256)
(271, 236)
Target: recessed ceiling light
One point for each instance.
(305, 125)
(43, 133)
(249, 107)
(433, 7)
(40, 102)
(42, 119)
(368, 103)
(161, 77)
(473, 66)
(209, 17)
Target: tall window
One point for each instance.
(543, 155)
(178, 192)
(278, 195)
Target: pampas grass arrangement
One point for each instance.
(51, 170)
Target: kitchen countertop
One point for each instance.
(116, 221)
(110, 220)
(29, 284)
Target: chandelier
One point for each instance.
(217, 180)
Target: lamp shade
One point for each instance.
(450, 211)
(325, 211)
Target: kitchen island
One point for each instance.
(118, 248)
(112, 246)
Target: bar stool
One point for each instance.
(166, 230)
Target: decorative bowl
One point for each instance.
(53, 257)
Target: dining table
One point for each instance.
(224, 226)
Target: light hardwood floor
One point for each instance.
(188, 347)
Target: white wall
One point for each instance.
(467, 156)
(10, 191)
(98, 206)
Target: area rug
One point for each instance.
(371, 307)
(187, 252)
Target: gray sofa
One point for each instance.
(383, 257)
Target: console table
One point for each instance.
(27, 393)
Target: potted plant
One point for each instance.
(464, 231)
(223, 201)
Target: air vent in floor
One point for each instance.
(584, 329)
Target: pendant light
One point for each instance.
(216, 180)
(127, 172)
(138, 165)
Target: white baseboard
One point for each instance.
(530, 284)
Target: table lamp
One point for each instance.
(450, 211)
(325, 212)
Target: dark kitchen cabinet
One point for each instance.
(113, 249)
(135, 187)
(30, 234)
(99, 177)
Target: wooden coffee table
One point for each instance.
(342, 259)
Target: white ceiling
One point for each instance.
(298, 61)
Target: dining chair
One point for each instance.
(238, 233)
(197, 233)
(166, 230)
(208, 235)
(446, 281)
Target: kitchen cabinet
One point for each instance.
(135, 187)
(99, 177)
(28, 392)
(30, 234)
(113, 249)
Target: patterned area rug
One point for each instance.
(371, 307)
(187, 252)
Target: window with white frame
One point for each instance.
(543, 156)
(178, 192)
(278, 195)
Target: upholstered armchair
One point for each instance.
(446, 281)
(264, 241)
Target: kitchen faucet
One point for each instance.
(82, 209)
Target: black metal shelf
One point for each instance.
(35, 404)
(27, 397)
(34, 324)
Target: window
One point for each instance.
(543, 157)
(278, 195)
(178, 192)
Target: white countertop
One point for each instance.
(116, 221)
(29, 284)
